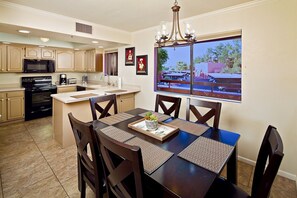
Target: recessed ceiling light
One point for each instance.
(95, 42)
(5, 42)
(24, 31)
(43, 39)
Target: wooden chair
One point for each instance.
(215, 111)
(123, 167)
(104, 112)
(160, 99)
(90, 170)
(271, 149)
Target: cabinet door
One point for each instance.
(90, 60)
(32, 52)
(3, 58)
(66, 89)
(47, 53)
(14, 59)
(79, 61)
(15, 108)
(126, 102)
(2, 107)
(64, 61)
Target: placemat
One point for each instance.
(161, 117)
(110, 120)
(190, 127)
(117, 134)
(153, 156)
(207, 153)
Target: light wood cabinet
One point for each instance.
(39, 53)
(79, 61)
(11, 58)
(47, 53)
(93, 61)
(66, 89)
(12, 105)
(64, 60)
(126, 102)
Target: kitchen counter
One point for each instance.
(10, 87)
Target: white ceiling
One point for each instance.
(127, 15)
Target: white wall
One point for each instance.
(269, 59)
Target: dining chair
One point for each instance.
(213, 112)
(123, 168)
(271, 152)
(173, 101)
(90, 168)
(104, 111)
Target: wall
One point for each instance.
(269, 58)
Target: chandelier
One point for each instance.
(175, 37)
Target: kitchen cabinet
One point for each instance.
(66, 89)
(12, 105)
(64, 60)
(39, 53)
(94, 61)
(79, 61)
(126, 102)
(11, 58)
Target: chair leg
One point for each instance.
(83, 189)
(79, 173)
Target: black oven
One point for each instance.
(38, 100)
(39, 66)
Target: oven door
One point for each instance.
(38, 103)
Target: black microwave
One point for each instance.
(39, 66)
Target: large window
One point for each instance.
(210, 68)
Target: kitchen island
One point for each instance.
(78, 104)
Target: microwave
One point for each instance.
(38, 66)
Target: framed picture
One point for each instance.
(141, 65)
(130, 56)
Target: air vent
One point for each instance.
(83, 28)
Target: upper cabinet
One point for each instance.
(39, 53)
(79, 61)
(64, 60)
(11, 58)
(94, 61)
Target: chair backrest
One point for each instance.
(215, 111)
(123, 167)
(271, 149)
(85, 137)
(104, 112)
(160, 99)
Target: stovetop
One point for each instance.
(38, 83)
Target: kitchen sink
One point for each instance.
(116, 91)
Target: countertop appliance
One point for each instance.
(84, 79)
(63, 79)
(38, 100)
(71, 81)
(38, 66)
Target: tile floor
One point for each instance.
(32, 164)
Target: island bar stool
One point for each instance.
(104, 112)
(215, 111)
(271, 149)
(175, 106)
(90, 170)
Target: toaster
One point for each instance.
(71, 80)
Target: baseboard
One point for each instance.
(280, 172)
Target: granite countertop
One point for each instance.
(98, 90)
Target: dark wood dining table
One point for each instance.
(178, 177)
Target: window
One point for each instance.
(111, 63)
(209, 68)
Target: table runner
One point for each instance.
(110, 120)
(161, 117)
(207, 153)
(153, 156)
(190, 127)
(117, 134)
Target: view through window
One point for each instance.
(209, 68)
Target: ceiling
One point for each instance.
(127, 15)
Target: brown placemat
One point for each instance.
(207, 153)
(153, 156)
(110, 120)
(161, 117)
(117, 134)
(190, 127)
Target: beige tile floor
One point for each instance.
(32, 165)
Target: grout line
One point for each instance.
(47, 161)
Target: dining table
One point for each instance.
(177, 175)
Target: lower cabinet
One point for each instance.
(11, 106)
(66, 89)
(126, 102)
